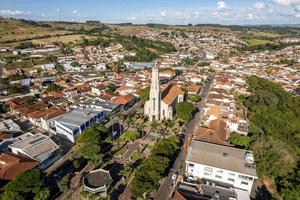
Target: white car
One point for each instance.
(174, 176)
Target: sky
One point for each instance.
(227, 12)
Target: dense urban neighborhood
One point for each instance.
(96, 111)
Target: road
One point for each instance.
(166, 188)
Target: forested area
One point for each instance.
(274, 132)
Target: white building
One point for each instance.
(161, 104)
(73, 123)
(38, 147)
(218, 163)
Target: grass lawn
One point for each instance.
(254, 42)
(121, 151)
(136, 156)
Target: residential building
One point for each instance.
(12, 165)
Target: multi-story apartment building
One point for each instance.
(218, 163)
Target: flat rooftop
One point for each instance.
(220, 156)
(37, 146)
(78, 116)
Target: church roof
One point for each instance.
(170, 93)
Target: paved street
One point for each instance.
(165, 190)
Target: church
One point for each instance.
(161, 104)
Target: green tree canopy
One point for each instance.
(166, 147)
(240, 141)
(184, 111)
(54, 88)
(130, 136)
(144, 94)
(274, 133)
(89, 142)
(194, 97)
(28, 185)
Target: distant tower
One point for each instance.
(152, 107)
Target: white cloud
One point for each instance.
(286, 2)
(297, 15)
(75, 11)
(297, 8)
(8, 12)
(163, 13)
(58, 10)
(259, 5)
(221, 5)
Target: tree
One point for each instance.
(240, 141)
(130, 136)
(28, 185)
(166, 147)
(184, 111)
(111, 88)
(63, 184)
(144, 94)
(194, 98)
(4, 108)
(54, 88)
(89, 142)
(147, 176)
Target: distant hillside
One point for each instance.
(13, 31)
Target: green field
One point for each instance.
(255, 42)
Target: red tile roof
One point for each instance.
(12, 165)
(170, 93)
(124, 99)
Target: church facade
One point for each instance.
(161, 104)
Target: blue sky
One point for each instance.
(157, 11)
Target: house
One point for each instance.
(216, 133)
(123, 90)
(38, 147)
(193, 89)
(100, 67)
(218, 163)
(73, 123)
(12, 165)
(125, 101)
(98, 89)
(9, 125)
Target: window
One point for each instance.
(206, 174)
(208, 169)
(231, 174)
(220, 171)
(153, 104)
(191, 165)
(245, 177)
(217, 176)
(244, 183)
(231, 180)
